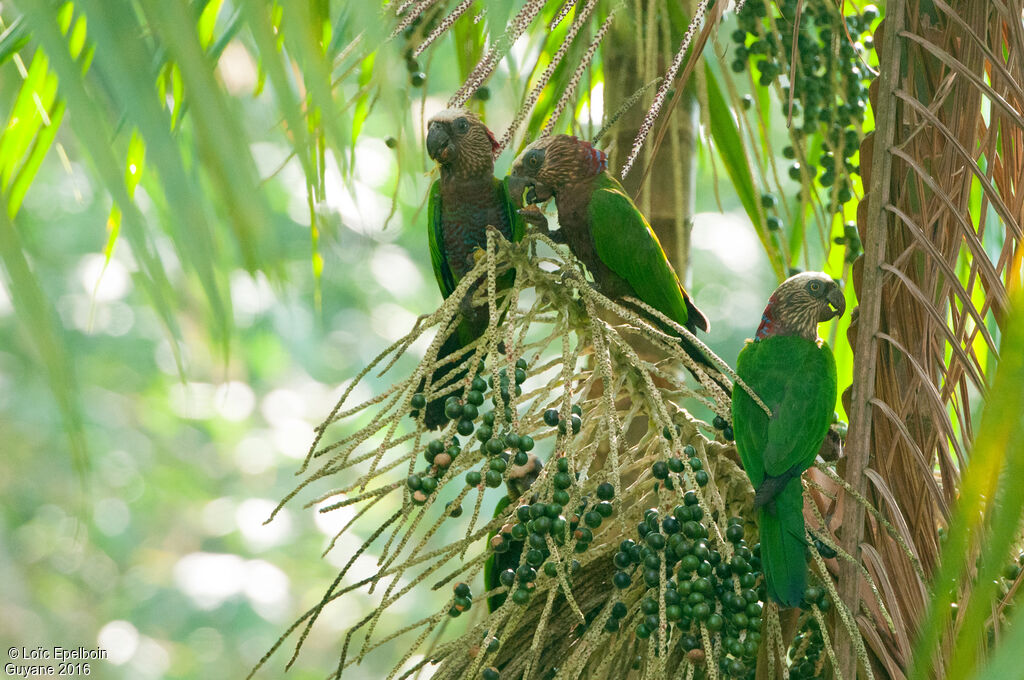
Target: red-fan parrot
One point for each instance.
(794, 373)
(605, 230)
(463, 202)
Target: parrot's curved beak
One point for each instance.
(517, 184)
(534, 191)
(836, 304)
(439, 144)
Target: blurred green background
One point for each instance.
(156, 549)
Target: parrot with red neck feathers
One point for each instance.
(794, 373)
(606, 231)
(463, 202)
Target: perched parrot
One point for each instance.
(605, 230)
(794, 373)
(463, 202)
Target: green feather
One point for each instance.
(626, 243)
(438, 258)
(783, 547)
(796, 379)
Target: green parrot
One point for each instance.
(463, 202)
(794, 373)
(605, 230)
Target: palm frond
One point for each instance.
(932, 286)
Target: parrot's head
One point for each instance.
(551, 163)
(800, 303)
(460, 142)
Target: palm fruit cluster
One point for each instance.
(420, 27)
(829, 88)
(541, 520)
(499, 444)
(708, 581)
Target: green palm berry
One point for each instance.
(660, 470)
(465, 427)
(551, 417)
(493, 479)
(452, 408)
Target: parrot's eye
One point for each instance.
(534, 159)
(462, 125)
(814, 286)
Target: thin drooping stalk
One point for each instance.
(869, 295)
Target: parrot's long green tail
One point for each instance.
(783, 546)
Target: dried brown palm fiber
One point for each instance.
(931, 343)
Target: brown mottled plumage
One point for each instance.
(799, 304)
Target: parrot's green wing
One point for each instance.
(438, 258)
(627, 245)
(514, 218)
(796, 379)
